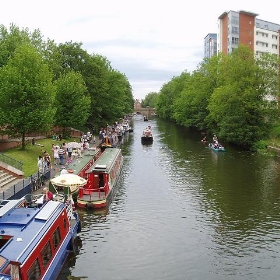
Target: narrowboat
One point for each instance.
(35, 241)
(102, 179)
(147, 136)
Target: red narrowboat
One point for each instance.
(102, 179)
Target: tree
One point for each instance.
(72, 102)
(239, 107)
(150, 100)
(26, 93)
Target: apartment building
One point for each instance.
(245, 28)
(210, 45)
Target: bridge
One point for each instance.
(145, 111)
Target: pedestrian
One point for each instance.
(69, 150)
(61, 153)
(55, 155)
(41, 170)
(47, 159)
(40, 165)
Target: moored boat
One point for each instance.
(147, 136)
(35, 241)
(102, 179)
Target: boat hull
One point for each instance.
(147, 140)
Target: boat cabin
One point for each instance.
(33, 241)
(101, 177)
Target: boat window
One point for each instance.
(56, 238)
(34, 272)
(2, 261)
(46, 254)
(4, 239)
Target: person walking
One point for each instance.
(61, 153)
(41, 171)
(56, 155)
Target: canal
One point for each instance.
(183, 211)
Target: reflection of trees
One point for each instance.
(238, 195)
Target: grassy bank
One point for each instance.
(29, 156)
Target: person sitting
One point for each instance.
(48, 195)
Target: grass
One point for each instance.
(29, 156)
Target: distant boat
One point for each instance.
(147, 136)
(35, 241)
(102, 179)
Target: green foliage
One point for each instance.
(27, 92)
(72, 102)
(275, 132)
(260, 146)
(150, 100)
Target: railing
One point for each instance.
(10, 161)
(90, 192)
(26, 186)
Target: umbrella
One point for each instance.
(74, 145)
(70, 180)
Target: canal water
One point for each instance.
(183, 211)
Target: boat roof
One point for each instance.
(25, 226)
(105, 161)
(81, 162)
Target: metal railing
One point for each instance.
(11, 161)
(26, 186)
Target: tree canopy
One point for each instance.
(40, 78)
(27, 93)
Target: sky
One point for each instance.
(149, 41)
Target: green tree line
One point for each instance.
(234, 96)
(44, 84)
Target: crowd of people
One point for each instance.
(64, 153)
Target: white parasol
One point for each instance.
(70, 180)
(74, 145)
